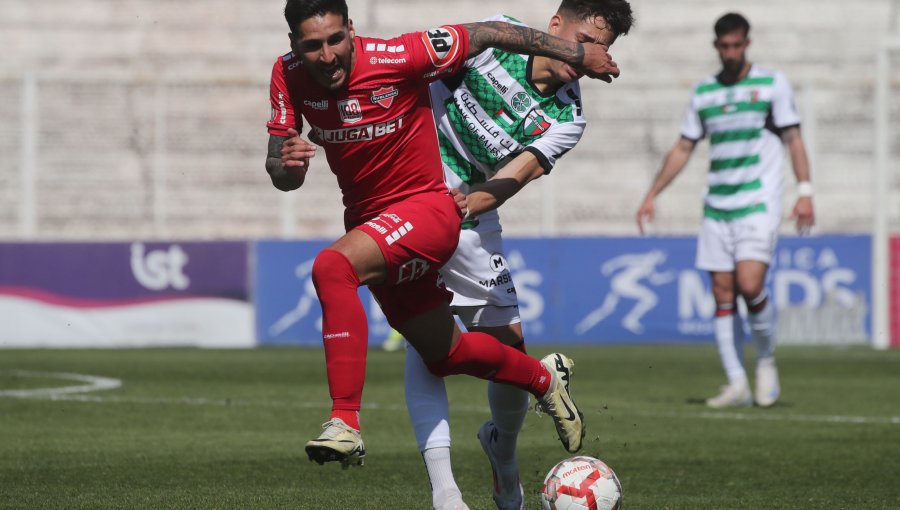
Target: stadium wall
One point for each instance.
(573, 290)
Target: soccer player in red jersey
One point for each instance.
(367, 103)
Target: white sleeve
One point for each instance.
(691, 126)
(561, 137)
(784, 108)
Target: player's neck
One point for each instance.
(541, 77)
(727, 78)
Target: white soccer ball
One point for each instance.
(581, 483)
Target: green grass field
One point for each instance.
(225, 429)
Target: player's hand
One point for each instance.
(598, 63)
(645, 215)
(295, 151)
(461, 200)
(803, 213)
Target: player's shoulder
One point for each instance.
(384, 53)
(288, 63)
(763, 72)
(504, 18)
(705, 84)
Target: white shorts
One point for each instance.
(487, 316)
(722, 243)
(478, 274)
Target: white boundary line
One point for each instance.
(66, 396)
(94, 383)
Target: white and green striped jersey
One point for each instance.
(743, 122)
(491, 111)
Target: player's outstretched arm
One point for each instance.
(590, 59)
(803, 210)
(674, 163)
(490, 195)
(287, 160)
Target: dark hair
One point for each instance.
(298, 11)
(616, 12)
(731, 22)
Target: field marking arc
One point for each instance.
(93, 383)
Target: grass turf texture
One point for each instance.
(226, 429)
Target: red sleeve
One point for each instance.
(282, 116)
(438, 52)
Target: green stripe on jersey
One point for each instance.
(718, 165)
(467, 138)
(746, 82)
(465, 170)
(517, 67)
(732, 108)
(732, 214)
(735, 136)
(731, 189)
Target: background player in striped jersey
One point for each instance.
(367, 102)
(748, 112)
(503, 121)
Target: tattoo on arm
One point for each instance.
(519, 39)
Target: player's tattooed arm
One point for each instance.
(285, 178)
(590, 59)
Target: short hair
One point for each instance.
(730, 23)
(298, 11)
(617, 13)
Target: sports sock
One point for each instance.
(481, 355)
(724, 326)
(761, 318)
(345, 333)
(426, 401)
(509, 405)
(443, 486)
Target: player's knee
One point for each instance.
(750, 289)
(332, 267)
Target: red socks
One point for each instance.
(345, 333)
(483, 356)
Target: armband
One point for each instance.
(804, 189)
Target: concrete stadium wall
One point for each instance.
(107, 70)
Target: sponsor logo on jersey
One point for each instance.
(316, 105)
(535, 123)
(385, 47)
(362, 133)
(442, 45)
(497, 262)
(499, 87)
(754, 96)
(521, 102)
(386, 60)
(384, 97)
(281, 114)
(412, 270)
(350, 110)
(293, 65)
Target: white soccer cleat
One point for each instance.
(767, 387)
(732, 395)
(508, 491)
(456, 504)
(338, 442)
(558, 402)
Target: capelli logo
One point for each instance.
(316, 105)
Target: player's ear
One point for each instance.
(555, 23)
(350, 28)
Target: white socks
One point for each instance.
(443, 486)
(762, 324)
(509, 406)
(426, 401)
(728, 351)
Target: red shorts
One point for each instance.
(417, 237)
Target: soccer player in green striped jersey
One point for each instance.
(748, 113)
(503, 121)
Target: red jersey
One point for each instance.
(378, 130)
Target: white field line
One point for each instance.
(94, 383)
(67, 394)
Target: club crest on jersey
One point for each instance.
(535, 123)
(442, 45)
(384, 97)
(350, 110)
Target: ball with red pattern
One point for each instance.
(581, 483)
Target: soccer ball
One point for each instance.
(581, 483)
